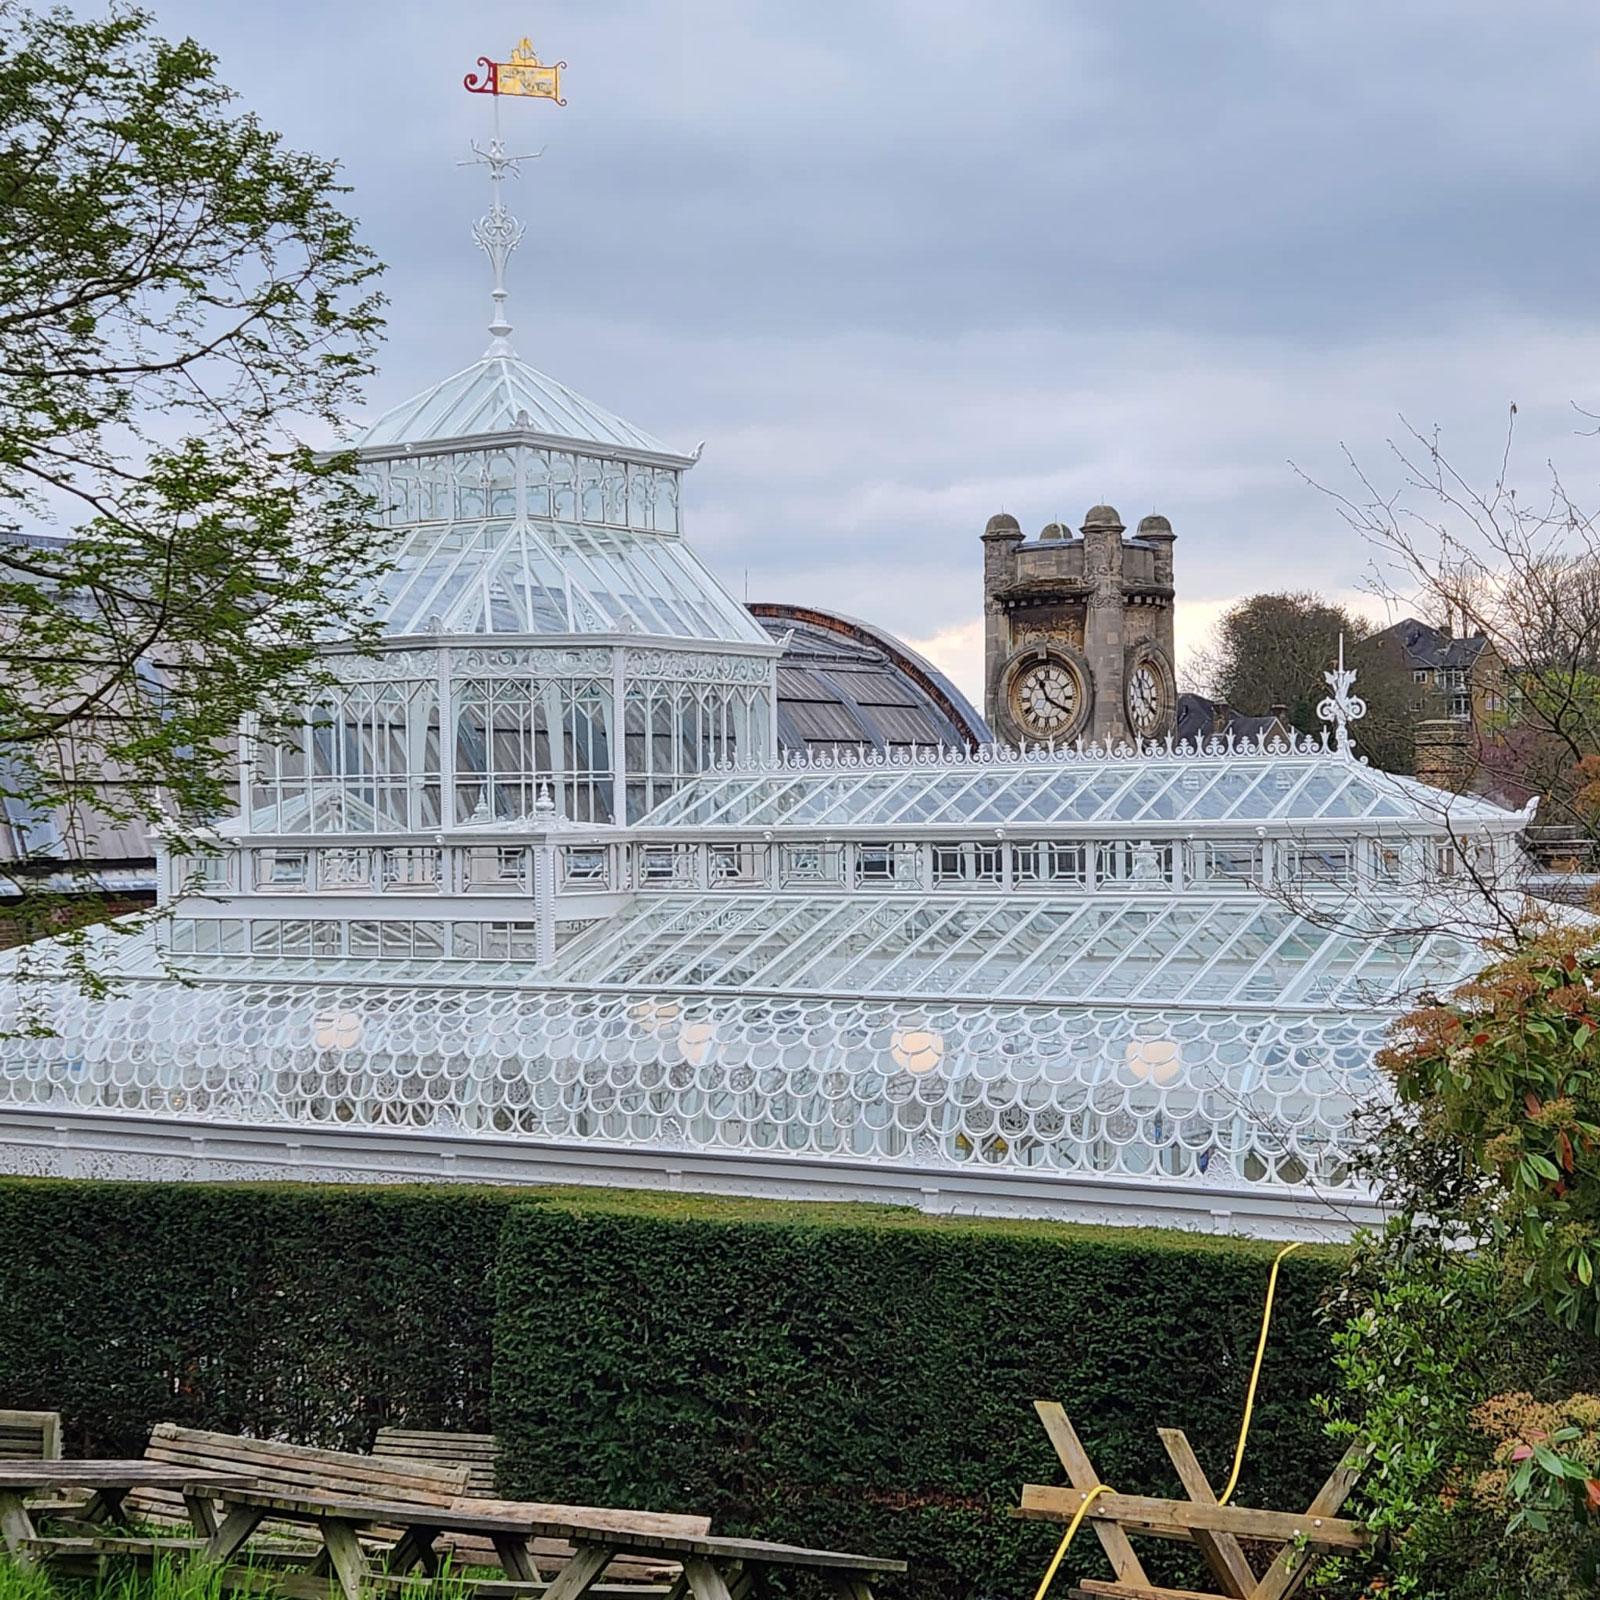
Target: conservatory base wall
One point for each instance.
(50, 1142)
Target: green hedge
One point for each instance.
(854, 1376)
(865, 1381)
(289, 1311)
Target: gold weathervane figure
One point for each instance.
(524, 74)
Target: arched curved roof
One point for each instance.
(844, 685)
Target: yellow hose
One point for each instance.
(1238, 1454)
(1255, 1374)
(1066, 1538)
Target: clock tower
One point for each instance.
(1078, 631)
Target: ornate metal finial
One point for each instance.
(1341, 708)
(497, 232)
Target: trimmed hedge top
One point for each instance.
(856, 1376)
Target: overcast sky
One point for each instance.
(902, 265)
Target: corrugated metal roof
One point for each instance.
(499, 394)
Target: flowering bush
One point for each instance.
(1508, 1071)
(1545, 1457)
(1466, 1329)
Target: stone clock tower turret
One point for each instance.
(1078, 631)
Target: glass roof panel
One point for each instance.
(505, 575)
(1167, 1093)
(1061, 788)
(1194, 949)
(499, 394)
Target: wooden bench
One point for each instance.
(711, 1569)
(108, 1487)
(479, 1452)
(474, 1451)
(275, 1466)
(30, 1435)
(297, 1469)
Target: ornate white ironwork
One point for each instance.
(1341, 708)
(698, 666)
(1164, 1096)
(497, 232)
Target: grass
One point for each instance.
(167, 1579)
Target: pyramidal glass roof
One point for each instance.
(501, 393)
(1255, 783)
(505, 575)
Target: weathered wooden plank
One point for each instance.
(1082, 1476)
(1229, 1567)
(516, 1560)
(456, 1437)
(306, 1506)
(580, 1574)
(415, 1549)
(30, 1433)
(302, 1463)
(36, 1474)
(290, 1468)
(16, 1527)
(107, 1544)
(202, 1513)
(593, 1516)
(706, 1581)
(1291, 1569)
(234, 1529)
(345, 1552)
(1244, 1522)
(478, 1452)
(845, 1587)
(510, 1589)
(1098, 1589)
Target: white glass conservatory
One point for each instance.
(1121, 986)
(530, 896)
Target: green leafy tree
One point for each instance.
(184, 310)
(1468, 1337)
(1273, 649)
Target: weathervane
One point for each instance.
(1341, 708)
(497, 232)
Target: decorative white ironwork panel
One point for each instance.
(1219, 1096)
(513, 735)
(364, 760)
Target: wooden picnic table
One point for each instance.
(712, 1568)
(109, 1483)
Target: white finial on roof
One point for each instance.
(1341, 708)
(498, 232)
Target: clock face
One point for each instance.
(1144, 698)
(1045, 699)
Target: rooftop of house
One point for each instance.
(1200, 719)
(1427, 646)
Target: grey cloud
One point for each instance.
(901, 263)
